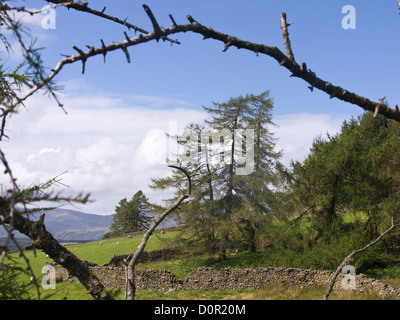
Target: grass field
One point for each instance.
(90, 251)
(99, 254)
(181, 267)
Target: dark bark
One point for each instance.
(42, 239)
(331, 210)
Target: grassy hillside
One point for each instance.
(96, 253)
(101, 254)
(91, 251)
(181, 267)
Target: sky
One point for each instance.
(110, 139)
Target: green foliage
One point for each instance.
(11, 82)
(344, 195)
(226, 209)
(354, 171)
(294, 247)
(131, 216)
(10, 286)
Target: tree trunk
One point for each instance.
(223, 246)
(130, 282)
(130, 287)
(332, 204)
(43, 240)
(252, 240)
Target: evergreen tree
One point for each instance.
(353, 172)
(131, 216)
(223, 201)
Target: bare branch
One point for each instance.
(299, 71)
(86, 8)
(82, 54)
(9, 218)
(296, 70)
(351, 255)
(83, 57)
(189, 191)
(381, 103)
(6, 8)
(41, 238)
(130, 287)
(37, 231)
(156, 27)
(285, 34)
(128, 58)
(173, 20)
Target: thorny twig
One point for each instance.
(85, 8)
(285, 60)
(6, 8)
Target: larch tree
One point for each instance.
(231, 159)
(130, 216)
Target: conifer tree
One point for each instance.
(131, 216)
(351, 173)
(236, 137)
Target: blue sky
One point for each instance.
(200, 72)
(115, 108)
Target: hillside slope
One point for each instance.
(72, 225)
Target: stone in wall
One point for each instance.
(146, 279)
(146, 256)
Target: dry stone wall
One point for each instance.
(251, 278)
(146, 256)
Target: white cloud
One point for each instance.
(104, 143)
(159, 102)
(111, 147)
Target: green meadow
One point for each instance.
(181, 267)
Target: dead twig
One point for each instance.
(132, 259)
(85, 8)
(285, 34)
(285, 60)
(351, 255)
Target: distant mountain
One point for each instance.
(67, 224)
(73, 225)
